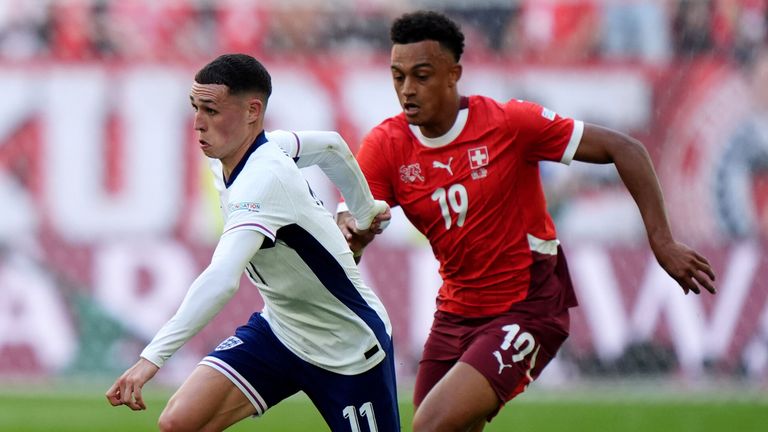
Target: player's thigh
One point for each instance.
(442, 350)
(460, 401)
(430, 372)
(255, 361)
(207, 400)
(366, 402)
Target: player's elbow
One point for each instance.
(631, 148)
(337, 143)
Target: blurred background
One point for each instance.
(107, 212)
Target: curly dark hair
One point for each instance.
(428, 25)
(240, 72)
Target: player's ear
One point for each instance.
(455, 73)
(255, 108)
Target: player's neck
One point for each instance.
(444, 122)
(230, 162)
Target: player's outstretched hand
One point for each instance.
(127, 389)
(691, 270)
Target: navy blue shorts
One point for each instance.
(267, 372)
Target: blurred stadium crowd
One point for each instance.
(103, 209)
(558, 31)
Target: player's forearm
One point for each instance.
(207, 295)
(205, 298)
(636, 170)
(602, 145)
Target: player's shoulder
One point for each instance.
(390, 129)
(280, 136)
(509, 106)
(490, 108)
(518, 111)
(265, 170)
(268, 161)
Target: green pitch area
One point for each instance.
(80, 412)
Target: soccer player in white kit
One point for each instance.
(322, 330)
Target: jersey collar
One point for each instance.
(260, 139)
(453, 132)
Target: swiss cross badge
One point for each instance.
(478, 157)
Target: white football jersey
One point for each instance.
(314, 298)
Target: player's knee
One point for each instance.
(419, 423)
(170, 421)
(430, 423)
(438, 422)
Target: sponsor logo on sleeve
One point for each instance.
(247, 206)
(548, 114)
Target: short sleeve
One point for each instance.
(543, 133)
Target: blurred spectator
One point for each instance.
(103, 45)
(139, 30)
(636, 30)
(242, 26)
(296, 26)
(492, 22)
(740, 26)
(552, 31)
(742, 177)
(692, 28)
(556, 31)
(349, 30)
(22, 29)
(70, 26)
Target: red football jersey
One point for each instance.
(476, 195)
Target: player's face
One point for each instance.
(425, 77)
(222, 121)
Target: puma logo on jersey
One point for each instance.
(445, 166)
(502, 365)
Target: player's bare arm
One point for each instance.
(602, 145)
(127, 389)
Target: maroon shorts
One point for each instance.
(510, 349)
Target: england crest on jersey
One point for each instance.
(229, 343)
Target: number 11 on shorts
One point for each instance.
(366, 410)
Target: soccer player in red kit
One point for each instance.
(465, 172)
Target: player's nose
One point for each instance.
(199, 123)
